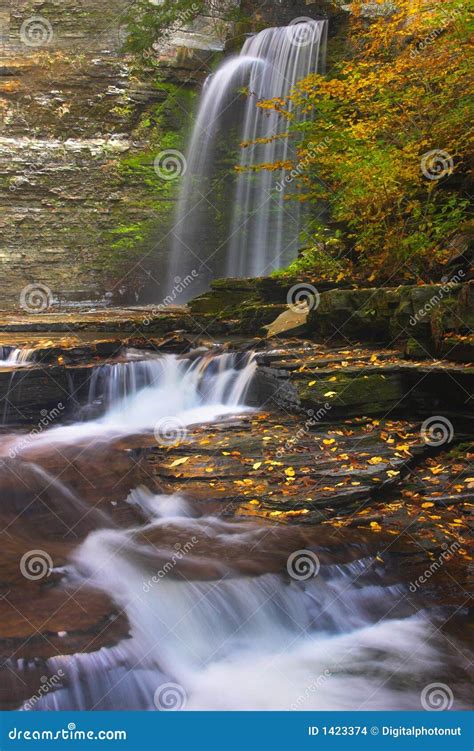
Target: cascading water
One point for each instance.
(12, 356)
(160, 393)
(241, 224)
(215, 618)
(204, 636)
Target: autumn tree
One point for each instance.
(385, 141)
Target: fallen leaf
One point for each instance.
(177, 462)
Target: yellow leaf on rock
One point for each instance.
(428, 504)
(177, 462)
(256, 465)
(376, 460)
(330, 393)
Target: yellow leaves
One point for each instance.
(333, 378)
(256, 465)
(436, 470)
(329, 441)
(375, 527)
(290, 472)
(178, 462)
(392, 472)
(330, 393)
(403, 447)
(376, 460)
(428, 504)
(311, 383)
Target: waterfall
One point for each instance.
(222, 640)
(176, 384)
(163, 393)
(12, 356)
(240, 223)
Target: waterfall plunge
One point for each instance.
(241, 223)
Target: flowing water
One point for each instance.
(14, 357)
(241, 224)
(217, 618)
(232, 642)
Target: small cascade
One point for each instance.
(227, 641)
(163, 391)
(178, 385)
(13, 356)
(241, 223)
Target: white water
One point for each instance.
(235, 642)
(164, 394)
(10, 356)
(261, 231)
(210, 604)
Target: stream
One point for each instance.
(221, 613)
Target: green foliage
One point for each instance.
(163, 131)
(399, 95)
(324, 260)
(148, 22)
